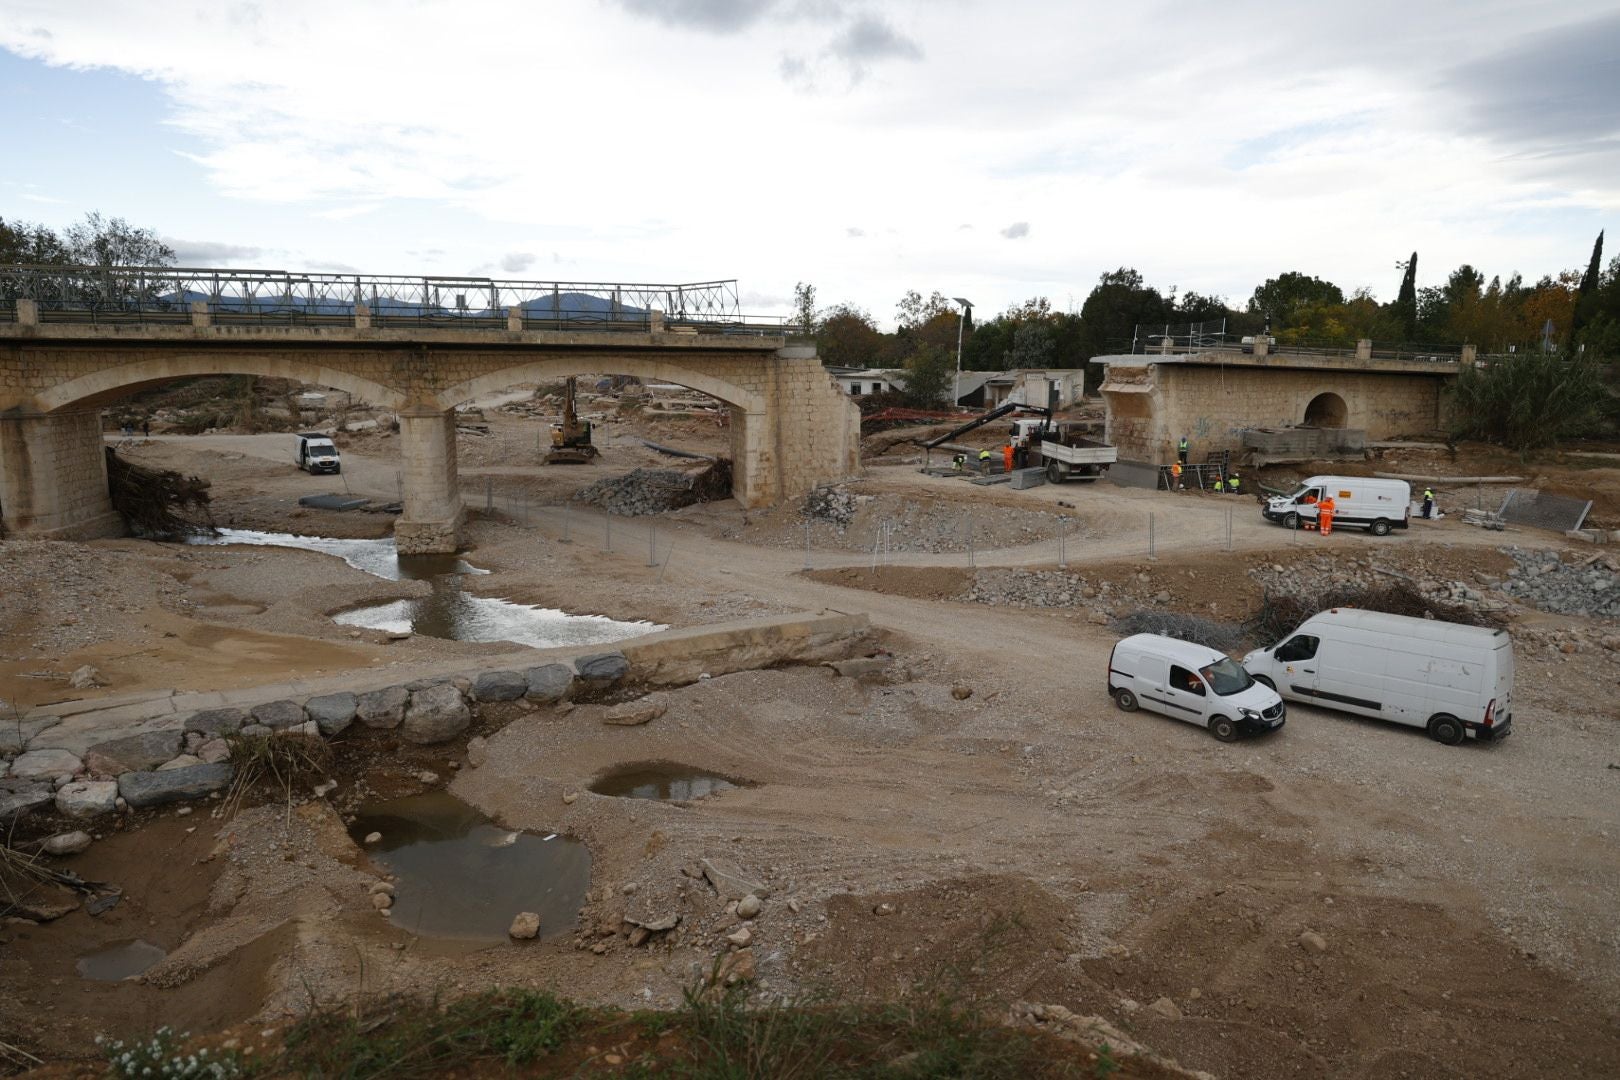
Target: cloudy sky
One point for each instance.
(991, 149)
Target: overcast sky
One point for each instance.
(993, 150)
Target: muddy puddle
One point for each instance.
(449, 611)
(663, 781)
(460, 876)
(119, 961)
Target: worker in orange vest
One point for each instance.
(1324, 514)
(1175, 475)
(1007, 457)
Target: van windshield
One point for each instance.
(321, 446)
(1226, 677)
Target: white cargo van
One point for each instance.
(315, 453)
(1192, 683)
(1448, 679)
(1362, 501)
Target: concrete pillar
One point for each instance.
(432, 518)
(53, 477)
(514, 319)
(28, 312)
(1262, 345)
(362, 317)
(655, 321)
(1364, 349)
(199, 313)
(1469, 353)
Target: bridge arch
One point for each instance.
(1327, 410)
(112, 383)
(749, 401)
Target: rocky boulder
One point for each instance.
(382, 708)
(45, 764)
(17, 795)
(68, 843)
(549, 683)
(141, 789)
(87, 798)
(500, 686)
(601, 670)
(276, 715)
(133, 753)
(217, 721)
(435, 715)
(331, 712)
(642, 711)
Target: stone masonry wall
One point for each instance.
(1212, 406)
(53, 477)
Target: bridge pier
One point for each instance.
(433, 515)
(53, 477)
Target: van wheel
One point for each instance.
(1222, 728)
(1290, 521)
(1055, 472)
(1446, 729)
(1265, 681)
(1125, 700)
(1380, 527)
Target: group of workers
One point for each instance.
(1224, 483)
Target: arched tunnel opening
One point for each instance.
(1327, 410)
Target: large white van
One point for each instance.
(1363, 501)
(1451, 680)
(1192, 683)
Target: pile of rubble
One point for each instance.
(1028, 588)
(653, 491)
(835, 505)
(1588, 586)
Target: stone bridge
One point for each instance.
(791, 427)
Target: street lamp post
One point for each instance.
(961, 322)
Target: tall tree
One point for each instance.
(847, 337)
(114, 242)
(1586, 296)
(1406, 306)
(30, 243)
(1281, 298)
(804, 308)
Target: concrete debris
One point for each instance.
(835, 505)
(729, 880)
(1583, 586)
(641, 711)
(653, 491)
(86, 678)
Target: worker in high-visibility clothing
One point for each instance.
(1175, 476)
(1181, 450)
(1234, 484)
(984, 461)
(1007, 457)
(1220, 485)
(1428, 502)
(1324, 514)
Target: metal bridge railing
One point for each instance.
(166, 295)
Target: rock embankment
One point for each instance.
(1579, 586)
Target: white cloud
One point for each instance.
(639, 140)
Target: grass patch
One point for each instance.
(713, 1035)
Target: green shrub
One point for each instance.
(1526, 401)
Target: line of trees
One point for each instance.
(1574, 311)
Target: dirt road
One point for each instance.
(1340, 899)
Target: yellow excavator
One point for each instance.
(571, 439)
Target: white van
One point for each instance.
(315, 453)
(1192, 683)
(1363, 501)
(1449, 679)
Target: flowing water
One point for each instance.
(462, 876)
(663, 781)
(448, 611)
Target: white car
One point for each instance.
(1192, 683)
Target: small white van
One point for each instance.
(1451, 680)
(1362, 501)
(315, 453)
(1192, 683)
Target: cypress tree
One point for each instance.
(1406, 300)
(1585, 297)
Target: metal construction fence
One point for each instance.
(160, 295)
(1542, 510)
